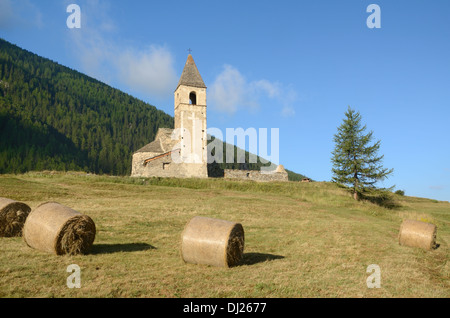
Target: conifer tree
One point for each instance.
(355, 160)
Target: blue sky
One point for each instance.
(292, 65)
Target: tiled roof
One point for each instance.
(191, 75)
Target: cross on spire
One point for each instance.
(189, 50)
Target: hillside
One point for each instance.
(55, 118)
(301, 240)
(52, 117)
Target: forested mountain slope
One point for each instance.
(55, 118)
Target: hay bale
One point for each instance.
(418, 234)
(212, 242)
(12, 217)
(57, 229)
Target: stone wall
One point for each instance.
(255, 175)
(165, 167)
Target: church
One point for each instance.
(182, 152)
(179, 152)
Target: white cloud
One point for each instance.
(19, 13)
(228, 91)
(287, 111)
(148, 71)
(93, 51)
(288, 101)
(271, 89)
(231, 91)
(95, 14)
(6, 14)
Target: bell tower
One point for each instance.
(190, 119)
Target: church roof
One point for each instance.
(191, 75)
(163, 142)
(154, 146)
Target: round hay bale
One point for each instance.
(12, 217)
(57, 229)
(418, 234)
(212, 242)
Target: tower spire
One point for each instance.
(191, 76)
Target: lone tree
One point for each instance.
(355, 161)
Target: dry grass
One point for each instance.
(301, 240)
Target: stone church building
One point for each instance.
(182, 152)
(179, 152)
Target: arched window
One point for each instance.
(192, 98)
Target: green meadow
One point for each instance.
(301, 240)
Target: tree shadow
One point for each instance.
(53, 149)
(255, 258)
(116, 248)
(385, 200)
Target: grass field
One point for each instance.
(301, 240)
